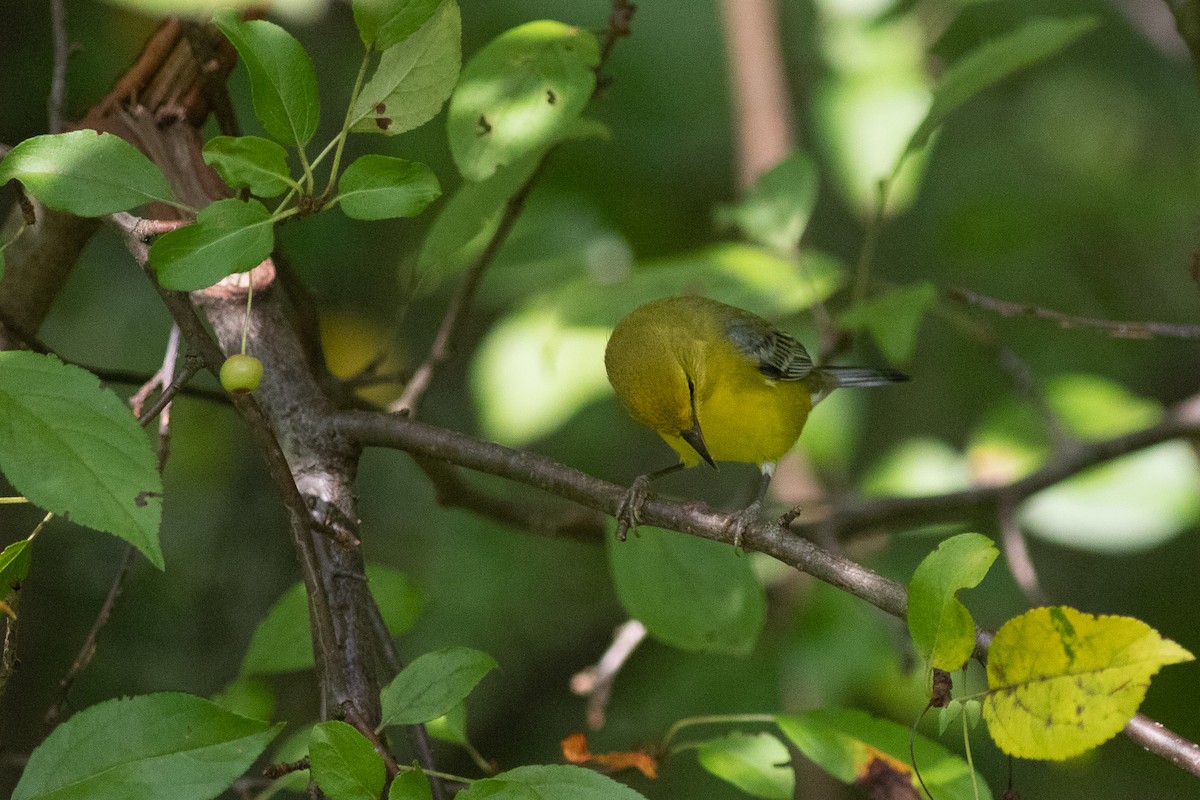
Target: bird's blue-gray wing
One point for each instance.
(780, 357)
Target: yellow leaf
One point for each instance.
(1061, 682)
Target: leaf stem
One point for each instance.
(715, 719)
(340, 139)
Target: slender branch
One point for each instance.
(57, 100)
(596, 682)
(1016, 552)
(1120, 330)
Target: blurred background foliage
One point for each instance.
(1074, 185)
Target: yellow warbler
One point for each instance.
(718, 383)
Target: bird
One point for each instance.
(717, 383)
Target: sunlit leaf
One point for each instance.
(228, 236)
(414, 77)
(283, 84)
(85, 173)
(384, 23)
(1061, 682)
(691, 593)
(845, 743)
(249, 162)
(519, 93)
(451, 726)
(758, 764)
(433, 684)
(282, 642)
(344, 764)
(143, 748)
(72, 447)
(893, 318)
(1038, 39)
(917, 467)
(382, 187)
(550, 782)
(201, 10)
(775, 211)
(940, 625)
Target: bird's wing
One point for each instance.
(780, 357)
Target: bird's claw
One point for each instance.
(629, 510)
(739, 522)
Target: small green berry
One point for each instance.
(241, 373)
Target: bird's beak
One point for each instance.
(695, 437)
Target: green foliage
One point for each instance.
(690, 593)
(72, 447)
(282, 642)
(519, 94)
(433, 685)
(249, 162)
(941, 627)
(14, 565)
(142, 748)
(283, 84)
(385, 23)
(228, 236)
(1061, 682)
(845, 742)
(85, 173)
(414, 77)
(755, 763)
(776, 210)
(554, 782)
(1037, 40)
(381, 187)
(410, 785)
(344, 764)
(893, 319)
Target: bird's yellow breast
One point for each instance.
(670, 356)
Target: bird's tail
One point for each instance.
(863, 376)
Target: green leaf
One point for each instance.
(344, 764)
(893, 318)
(775, 212)
(382, 187)
(72, 447)
(411, 785)
(85, 173)
(691, 593)
(283, 84)
(1039, 39)
(550, 782)
(385, 23)
(757, 764)
(451, 726)
(413, 78)
(433, 684)
(1061, 682)
(845, 742)
(469, 219)
(247, 696)
(14, 565)
(228, 236)
(941, 627)
(144, 748)
(282, 642)
(519, 94)
(249, 162)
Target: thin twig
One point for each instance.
(1016, 552)
(1120, 330)
(596, 682)
(57, 100)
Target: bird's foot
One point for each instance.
(629, 510)
(739, 522)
